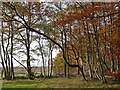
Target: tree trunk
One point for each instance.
(65, 69)
(43, 60)
(78, 71)
(28, 56)
(48, 67)
(118, 65)
(11, 53)
(51, 69)
(103, 79)
(111, 50)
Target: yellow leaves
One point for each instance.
(110, 35)
(4, 30)
(91, 42)
(114, 38)
(22, 9)
(110, 27)
(58, 62)
(102, 31)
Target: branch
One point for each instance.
(107, 15)
(38, 32)
(20, 63)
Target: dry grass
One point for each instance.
(57, 83)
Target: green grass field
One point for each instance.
(56, 83)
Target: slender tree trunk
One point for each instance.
(3, 72)
(43, 60)
(5, 58)
(65, 69)
(48, 67)
(81, 70)
(68, 68)
(89, 51)
(105, 46)
(118, 65)
(28, 56)
(118, 43)
(88, 63)
(51, 57)
(78, 71)
(63, 39)
(103, 79)
(111, 50)
(51, 73)
(12, 68)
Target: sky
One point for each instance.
(37, 62)
(33, 63)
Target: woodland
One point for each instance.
(86, 35)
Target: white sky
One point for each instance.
(35, 63)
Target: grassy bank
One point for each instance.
(57, 83)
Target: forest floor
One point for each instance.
(75, 82)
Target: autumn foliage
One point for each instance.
(93, 35)
(86, 34)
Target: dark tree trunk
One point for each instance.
(48, 67)
(78, 71)
(43, 60)
(111, 50)
(118, 66)
(51, 57)
(28, 56)
(103, 79)
(12, 68)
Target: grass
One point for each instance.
(57, 83)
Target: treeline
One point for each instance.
(87, 35)
(91, 38)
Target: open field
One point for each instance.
(57, 83)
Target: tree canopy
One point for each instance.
(86, 34)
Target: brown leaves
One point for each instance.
(80, 15)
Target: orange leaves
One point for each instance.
(79, 15)
(97, 8)
(115, 74)
(89, 10)
(63, 22)
(54, 23)
(109, 34)
(67, 18)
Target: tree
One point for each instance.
(91, 18)
(86, 33)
